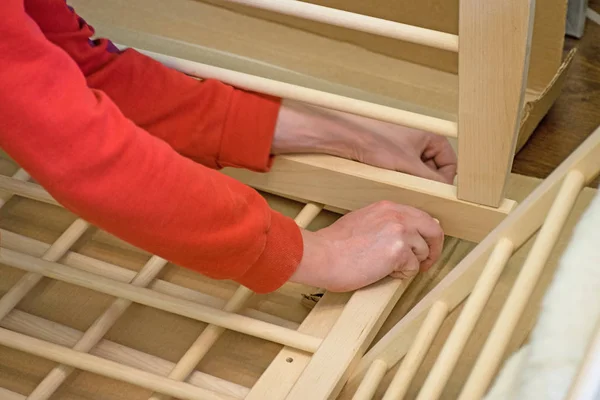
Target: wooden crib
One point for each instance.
(85, 316)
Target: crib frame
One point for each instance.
(326, 355)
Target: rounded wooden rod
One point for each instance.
(238, 301)
(309, 96)
(96, 332)
(496, 343)
(18, 291)
(26, 189)
(20, 175)
(110, 369)
(358, 22)
(371, 380)
(34, 247)
(148, 297)
(43, 329)
(456, 341)
(417, 351)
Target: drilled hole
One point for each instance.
(289, 359)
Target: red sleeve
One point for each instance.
(76, 143)
(208, 121)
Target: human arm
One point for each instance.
(173, 106)
(76, 143)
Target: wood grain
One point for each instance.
(494, 49)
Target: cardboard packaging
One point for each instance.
(329, 58)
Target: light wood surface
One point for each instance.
(493, 61)
(350, 185)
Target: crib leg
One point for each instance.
(493, 58)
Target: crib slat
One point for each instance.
(94, 334)
(418, 349)
(160, 301)
(31, 279)
(491, 354)
(456, 341)
(33, 247)
(364, 23)
(492, 73)
(307, 95)
(371, 381)
(43, 329)
(106, 368)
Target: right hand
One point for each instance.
(369, 244)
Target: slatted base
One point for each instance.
(154, 341)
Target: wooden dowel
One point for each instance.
(417, 351)
(205, 341)
(110, 369)
(163, 302)
(30, 280)
(50, 331)
(358, 22)
(309, 96)
(495, 345)
(211, 333)
(371, 381)
(586, 385)
(96, 332)
(26, 189)
(456, 341)
(20, 175)
(36, 248)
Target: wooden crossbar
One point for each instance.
(306, 95)
(359, 22)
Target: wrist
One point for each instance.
(302, 128)
(312, 269)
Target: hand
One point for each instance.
(369, 244)
(307, 129)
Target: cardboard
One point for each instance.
(337, 60)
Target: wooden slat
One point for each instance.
(160, 301)
(347, 341)
(276, 382)
(494, 47)
(497, 342)
(350, 185)
(519, 226)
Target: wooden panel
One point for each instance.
(350, 185)
(494, 51)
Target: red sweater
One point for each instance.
(134, 147)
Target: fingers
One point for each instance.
(440, 156)
(408, 267)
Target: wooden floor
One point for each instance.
(575, 114)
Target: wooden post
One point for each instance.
(493, 58)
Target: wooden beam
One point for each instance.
(350, 185)
(493, 60)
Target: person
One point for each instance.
(135, 148)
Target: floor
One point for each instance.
(575, 114)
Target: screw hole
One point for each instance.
(289, 360)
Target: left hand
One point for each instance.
(307, 129)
